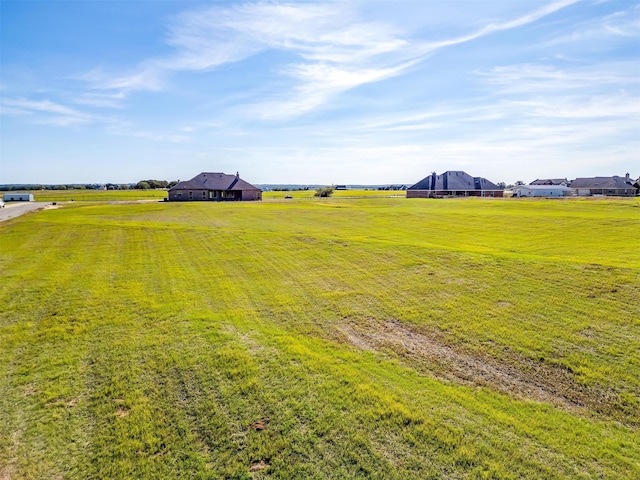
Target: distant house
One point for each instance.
(214, 187)
(616, 186)
(18, 197)
(551, 181)
(454, 184)
(541, 191)
(340, 187)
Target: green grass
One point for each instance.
(252, 340)
(309, 194)
(132, 195)
(96, 195)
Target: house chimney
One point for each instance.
(627, 179)
(237, 175)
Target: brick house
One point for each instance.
(214, 187)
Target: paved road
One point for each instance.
(15, 209)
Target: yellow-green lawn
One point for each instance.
(322, 338)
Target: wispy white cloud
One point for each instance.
(538, 78)
(101, 99)
(350, 55)
(330, 50)
(46, 111)
(500, 26)
(148, 77)
(128, 129)
(317, 84)
(585, 108)
(624, 23)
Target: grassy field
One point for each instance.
(97, 195)
(337, 338)
(309, 194)
(130, 195)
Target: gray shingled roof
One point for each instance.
(549, 181)
(454, 180)
(214, 181)
(601, 182)
(544, 187)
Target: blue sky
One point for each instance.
(363, 92)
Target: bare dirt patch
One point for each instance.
(512, 374)
(8, 472)
(261, 465)
(260, 424)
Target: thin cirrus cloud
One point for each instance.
(331, 51)
(624, 23)
(548, 79)
(123, 128)
(46, 111)
(107, 87)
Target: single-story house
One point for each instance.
(453, 184)
(18, 197)
(541, 191)
(214, 187)
(551, 181)
(616, 186)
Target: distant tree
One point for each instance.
(323, 192)
(501, 184)
(519, 182)
(151, 183)
(173, 183)
(158, 183)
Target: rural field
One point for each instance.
(159, 194)
(322, 338)
(97, 195)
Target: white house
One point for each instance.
(18, 197)
(541, 191)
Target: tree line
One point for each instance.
(141, 185)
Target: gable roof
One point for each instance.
(614, 182)
(454, 180)
(214, 181)
(550, 181)
(543, 187)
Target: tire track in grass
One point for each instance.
(540, 383)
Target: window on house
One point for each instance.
(190, 195)
(204, 195)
